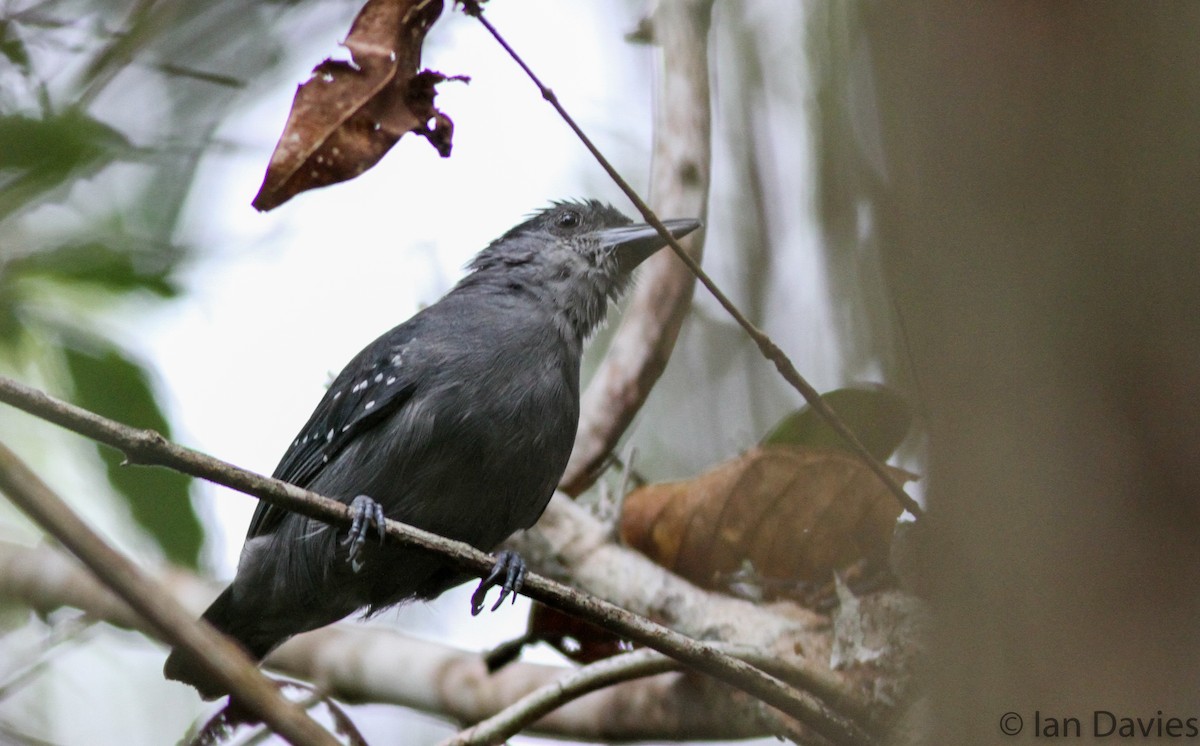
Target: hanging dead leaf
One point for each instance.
(793, 512)
(350, 113)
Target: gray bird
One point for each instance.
(458, 421)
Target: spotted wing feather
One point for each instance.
(376, 383)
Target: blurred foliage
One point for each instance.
(851, 167)
(106, 108)
(879, 416)
(111, 384)
(100, 266)
(54, 146)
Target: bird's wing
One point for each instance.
(376, 383)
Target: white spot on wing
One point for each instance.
(370, 404)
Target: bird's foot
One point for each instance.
(366, 511)
(511, 568)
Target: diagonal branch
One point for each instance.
(527, 710)
(795, 640)
(593, 677)
(766, 345)
(367, 663)
(218, 656)
(150, 448)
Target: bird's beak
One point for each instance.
(632, 244)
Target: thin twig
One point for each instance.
(540, 702)
(804, 675)
(218, 656)
(140, 24)
(343, 725)
(639, 664)
(151, 448)
(261, 734)
(765, 344)
(61, 638)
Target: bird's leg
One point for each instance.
(511, 567)
(366, 511)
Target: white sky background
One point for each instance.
(288, 297)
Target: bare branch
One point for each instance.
(629, 666)
(527, 710)
(148, 447)
(361, 663)
(215, 654)
(796, 641)
(569, 538)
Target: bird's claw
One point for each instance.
(366, 512)
(511, 568)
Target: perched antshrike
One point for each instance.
(459, 421)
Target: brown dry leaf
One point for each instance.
(576, 639)
(795, 513)
(348, 114)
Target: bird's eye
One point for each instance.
(568, 219)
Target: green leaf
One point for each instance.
(10, 324)
(56, 144)
(12, 47)
(109, 383)
(98, 264)
(39, 155)
(877, 415)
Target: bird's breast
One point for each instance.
(476, 455)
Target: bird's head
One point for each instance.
(575, 255)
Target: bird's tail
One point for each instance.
(180, 666)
